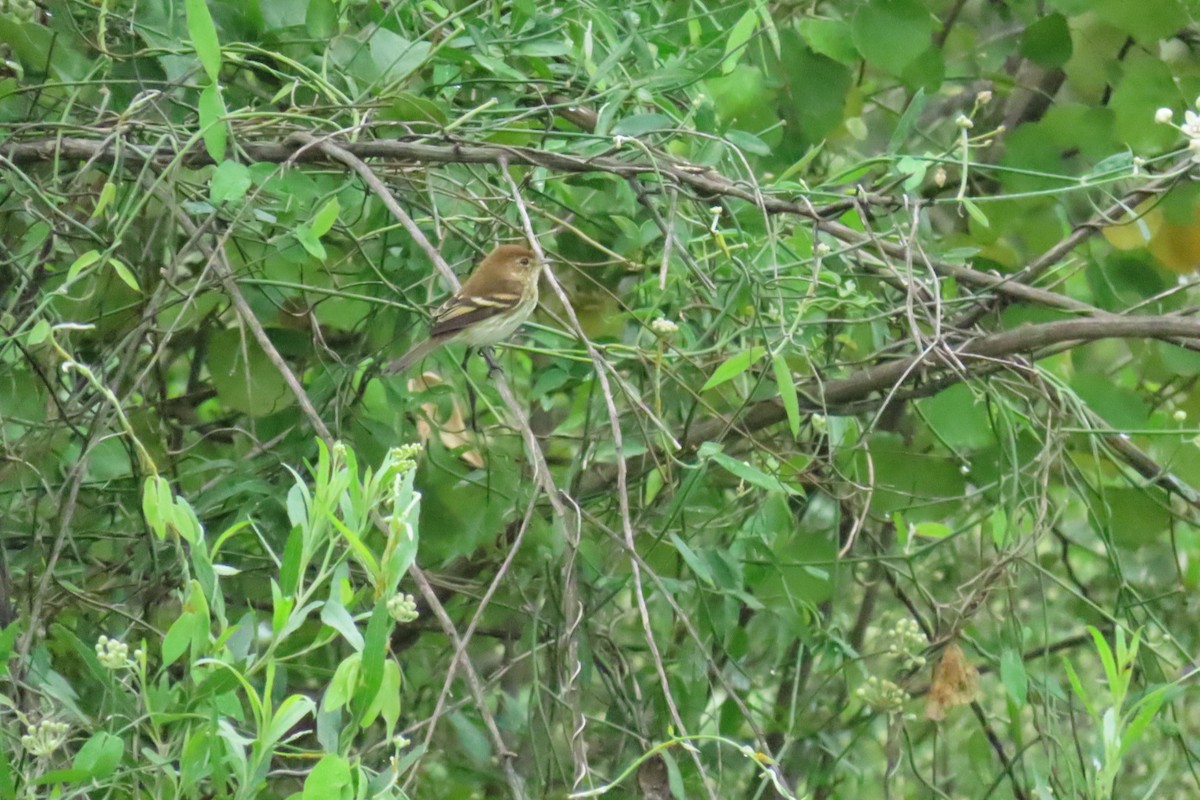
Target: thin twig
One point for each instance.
(622, 473)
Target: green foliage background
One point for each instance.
(847, 381)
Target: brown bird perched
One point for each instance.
(500, 294)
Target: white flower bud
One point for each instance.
(1163, 116)
(663, 326)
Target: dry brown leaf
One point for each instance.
(955, 683)
(654, 779)
(452, 431)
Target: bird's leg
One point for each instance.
(489, 355)
(470, 392)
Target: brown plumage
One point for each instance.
(493, 302)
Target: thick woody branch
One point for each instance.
(873, 382)
(831, 395)
(701, 180)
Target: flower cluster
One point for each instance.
(44, 738)
(882, 695)
(114, 654)
(905, 641)
(663, 326)
(405, 456)
(1190, 127)
(21, 10)
(402, 607)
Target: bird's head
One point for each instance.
(514, 259)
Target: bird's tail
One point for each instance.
(415, 354)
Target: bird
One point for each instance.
(491, 304)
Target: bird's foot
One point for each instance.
(489, 355)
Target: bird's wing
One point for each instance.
(464, 309)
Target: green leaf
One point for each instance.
(321, 18)
(290, 712)
(197, 605)
(1111, 673)
(194, 759)
(734, 366)
(409, 107)
(387, 698)
(674, 775)
(342, 685)
(892, 33)
(374, 655)
(395, 56)
(1147, 708)
(1146, 22)
(204, 37)
(746, 472)
(694, 562)
(818, 90)
(124, 274)
(1118, 164)
(498, 67)
(472, 742)
(1047, 42)
(8, 786)
(39, 333)
(739, 36)
(100, 755)
(932, 530)
(291, 565)
(768, 23)
(212, 122)
(60, 776)
(323, 220)
(907, 121)
(915, 169)
(800, 163)
(959, 417)
(1143, 86)
(329, 779)
(82, 263)
(243, 375)
(787, 392)
(641, 124)
(156, 500)
(1077, 686)
(178, 637)
(107, 195)
(748, 142)
(230, 180)
(1013, 676)
(335, 615)
(44, 48)
(403, 539)
(360, 550)
(281, 608)
(310, 241)
(830, 37)
(975, 212)
(926, 71)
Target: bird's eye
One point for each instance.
(524, 262)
